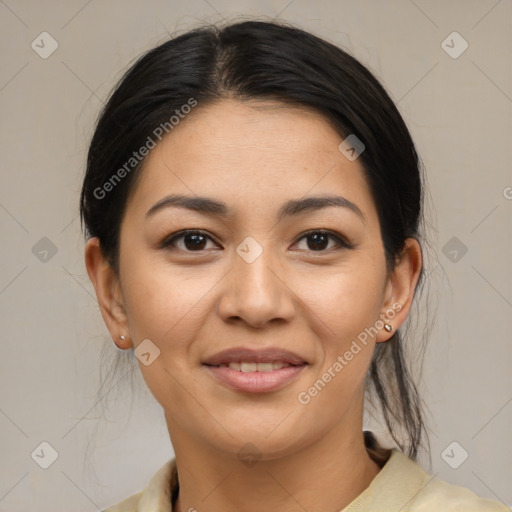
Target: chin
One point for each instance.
(257, 440)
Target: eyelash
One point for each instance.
(341, 242)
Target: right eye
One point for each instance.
(192, 240)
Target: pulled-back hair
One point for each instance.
(269, 60)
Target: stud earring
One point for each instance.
(123, 337)
(388, 327)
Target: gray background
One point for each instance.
(459, 112)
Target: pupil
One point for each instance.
(319, 239)
(197, 241)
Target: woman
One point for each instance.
(252, 205)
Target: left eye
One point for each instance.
(318, 239)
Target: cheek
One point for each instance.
(167, 306)
(163, 301)
(345, 301)
(344, 309)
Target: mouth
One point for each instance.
(255, 371)
(250, 380)
(247, 366)
(241, 355)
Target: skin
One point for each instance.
(190, 303)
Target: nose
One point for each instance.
(256, 293)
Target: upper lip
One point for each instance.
(266, 355)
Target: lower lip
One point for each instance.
(255, 382)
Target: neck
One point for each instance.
(325, 475)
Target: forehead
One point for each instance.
(257, 153)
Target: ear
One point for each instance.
(400, 288)
(108, 292)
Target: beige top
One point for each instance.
(400, 486)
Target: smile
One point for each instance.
(254, 367)
(249, 377)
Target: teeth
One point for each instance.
(255, 367)
(249, 367)
(265, 367)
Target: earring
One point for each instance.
(124, 344)
(388, 327)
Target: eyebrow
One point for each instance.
(294, 207)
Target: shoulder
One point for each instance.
(129, 504)
(440, 495)
(427, 493)
(157, 494)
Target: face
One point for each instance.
(281, 282)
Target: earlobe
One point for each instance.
(400, 288)
(108, 292)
